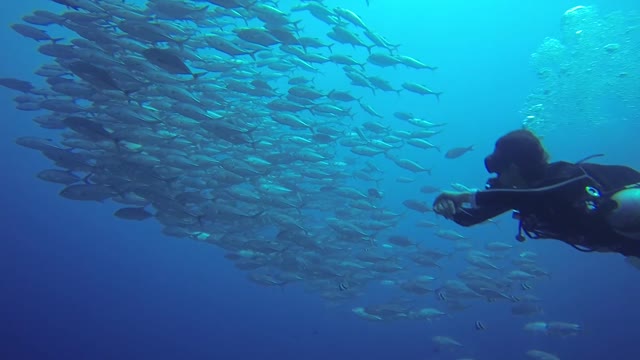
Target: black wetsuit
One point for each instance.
(562, 212)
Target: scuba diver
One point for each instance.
(589, 206)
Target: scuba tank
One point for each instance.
(622, 207)
(625, 217)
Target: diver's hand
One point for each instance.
(449, 203)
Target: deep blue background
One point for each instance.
(77, 283)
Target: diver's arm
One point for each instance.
(474, 206)
(476, 215)
(487, 204)
(506, 198)
(492, 202)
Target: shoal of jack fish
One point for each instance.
(205, 116)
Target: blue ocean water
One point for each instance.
(79, 283)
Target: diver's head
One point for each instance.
(519, 158)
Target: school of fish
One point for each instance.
(206, 116)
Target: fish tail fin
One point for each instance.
(372, 239)
(295, 25)
(181, 42)
(253, 143)
(116, 190)
(369, 47)
(330, 47)
(116, 142)
(310, 109)
(55, 40)
(86, 178)
(302, 203)
(438, 95)
(128, 92)
(197, 75)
